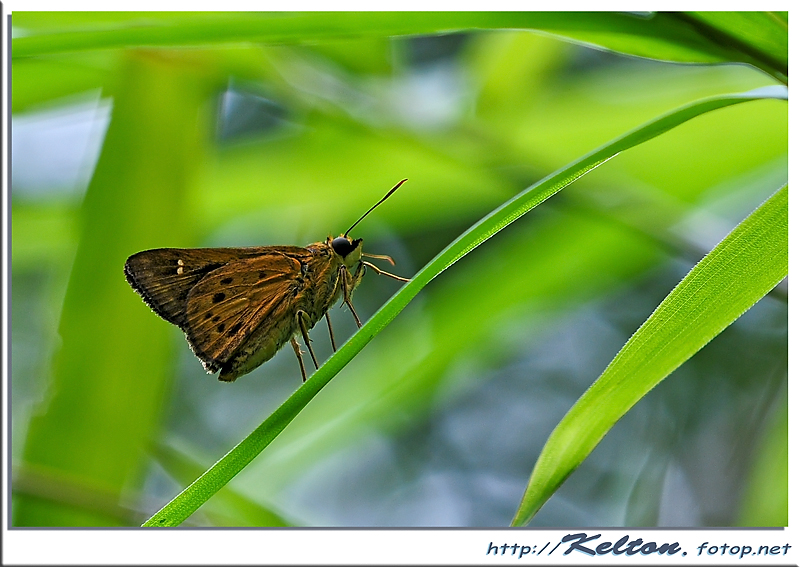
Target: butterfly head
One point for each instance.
(347, 249)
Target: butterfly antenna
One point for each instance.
(389, 194)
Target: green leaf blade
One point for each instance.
(740, 270)
(765, 35)
(663, 36)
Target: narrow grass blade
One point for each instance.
(226, 468)
(738, 272)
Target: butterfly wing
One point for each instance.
(165, 276)
(243, 302)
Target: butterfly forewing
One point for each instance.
(227, 306)
(165, 276)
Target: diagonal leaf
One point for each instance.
(738, 272)
(231, 504)
(231, 464)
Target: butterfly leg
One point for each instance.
(344, 275)
(301, 317)
(299, 354)
(382, 273)
(330, 330)
(379, 257)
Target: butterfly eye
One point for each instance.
(343, 245)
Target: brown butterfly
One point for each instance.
(239, 306)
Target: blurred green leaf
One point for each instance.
(766, 498)
(743, 268)
(42, 234)
(262, 179)
(39, 80)
(545, 129)
(107, 389)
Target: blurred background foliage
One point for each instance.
(439, 421)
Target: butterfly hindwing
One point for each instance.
(226, 307)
